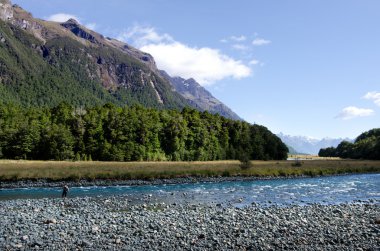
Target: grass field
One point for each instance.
(311, 157)
(12, 170)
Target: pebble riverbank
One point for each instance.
(181, 180)
(114, 224)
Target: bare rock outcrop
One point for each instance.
(6, 10)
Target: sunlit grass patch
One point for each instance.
(11, 170)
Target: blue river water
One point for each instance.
(300, 191)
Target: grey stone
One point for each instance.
(86, 243)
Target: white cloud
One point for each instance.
(240, 47)
(254, 62)
(62, 17)
(206, 65)
(91, 26)
(375, 96)
(351, 112)
(260, 41)
(238, 39)
(241, 38)
(142, 36)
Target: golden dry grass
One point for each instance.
(311, 157)
(67, 170)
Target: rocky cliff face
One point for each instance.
(79, 31)
(199, 97)
(6, 11)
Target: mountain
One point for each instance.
(309, 145)
(199, 97)
(292, 150)
(44, 63)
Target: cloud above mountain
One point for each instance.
(351, 112)
(206, 65)
(62, 17)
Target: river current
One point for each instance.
(299, 191)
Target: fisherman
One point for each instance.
(65, 191)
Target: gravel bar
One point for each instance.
(181, 180)
(113, 223)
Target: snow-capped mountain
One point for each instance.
(309, 145)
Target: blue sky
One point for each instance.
(299, 67)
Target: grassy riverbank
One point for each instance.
(12, 170)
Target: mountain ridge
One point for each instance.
(197, 95)
(104, 69)
(45, 63)
(309, 145)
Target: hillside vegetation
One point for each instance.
(366, 146)
(62, 69)
(112, 133)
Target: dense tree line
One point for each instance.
(112, 133)
(366, 146)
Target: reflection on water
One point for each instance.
(324, 190)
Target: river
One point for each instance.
(299, 191)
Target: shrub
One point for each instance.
(245, 162)
(297, 163)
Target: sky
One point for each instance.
(309, 68)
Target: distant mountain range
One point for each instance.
(44, 63)
(308, 145)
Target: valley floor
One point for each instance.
(53, 173)
(113, 224)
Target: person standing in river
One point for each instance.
(65, 191)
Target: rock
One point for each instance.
(6, 10)
(50, 221)
(79, 31)
(37, 243)
(95, 228)
(201, 236)
(18, 245)
(86, 243)
(184, 226)
(101, 60)
(377, 221)
(338, 212)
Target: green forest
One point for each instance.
(130, 133)
(366, 146)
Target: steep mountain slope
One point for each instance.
(199, 97)
(292, 150)
(44, 63)
(309, 145)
